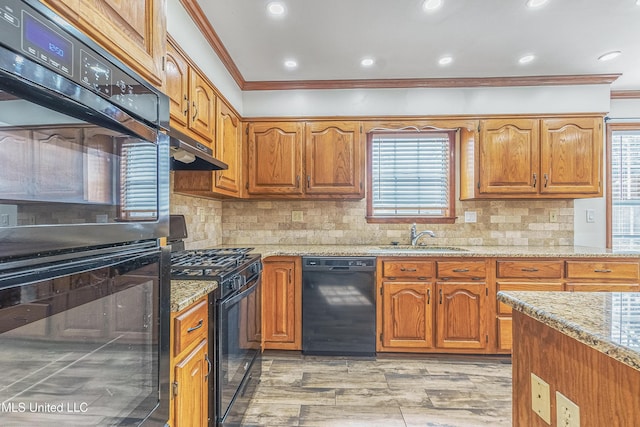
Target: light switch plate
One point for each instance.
(591, 215)
(540, 398)
(470, 216)
(297, 216)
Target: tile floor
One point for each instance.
(387, 391)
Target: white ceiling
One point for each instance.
(328, 38)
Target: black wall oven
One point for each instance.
(84, 197)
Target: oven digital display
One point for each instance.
(47, 45)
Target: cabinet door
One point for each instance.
(407, 314)
(462, 315)
(228, 140)
(177, 86)
(15, 147)
(202, 106)
(509, 156)
(571, 150)
(282, 304)
(134, 31)
(190, 388)
(53, 148)
(275, 158)
(334, 161)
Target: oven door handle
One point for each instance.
(241, 295)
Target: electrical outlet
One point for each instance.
(470, 216)
(297, 216)
(201, 214)
(540, 398)
(553, 215)
(567, 412)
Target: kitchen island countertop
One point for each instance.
(605, 321)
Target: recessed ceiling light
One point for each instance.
(290, 63)
(609, 55)
(367, 62)
(445, 60)
(431, 4)
(526, 59)
(536, 3)
(637, 2)
(276, 8)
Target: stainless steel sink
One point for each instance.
(419, 248)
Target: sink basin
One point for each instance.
(419, 248)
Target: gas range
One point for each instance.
(231, 267)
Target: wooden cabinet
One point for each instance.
(601, 275)
(134, 31)
(314, 159)
(462, 315)
(428, 305)
(228, 150)
(533, 158)
(191, 366)
(334, 161)
(192, 100)
(282, 303)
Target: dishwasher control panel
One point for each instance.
(329, 263)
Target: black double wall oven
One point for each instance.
(84, 199)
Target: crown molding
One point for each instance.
(625, 94)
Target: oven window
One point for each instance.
(81, 349)
(59, 170)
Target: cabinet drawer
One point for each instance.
(407, 269)
(191, 326)
(461, 270)
(602, 270)
(505, 309)
(603, 287)
(529, 269)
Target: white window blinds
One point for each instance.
(138, 181)
(625, 189)
(410, 175)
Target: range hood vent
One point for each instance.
(188, 154)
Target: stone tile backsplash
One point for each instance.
(339, 222)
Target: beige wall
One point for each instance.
(343, 222)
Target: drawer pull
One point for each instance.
(422, 278)
(460, 270)
(606, 270)
(408, 269)
(531, 270)
(198, 326)
(477, 278)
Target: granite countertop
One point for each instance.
(186, 292)
(606, 321)
(440, 251)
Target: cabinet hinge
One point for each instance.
(486, 338)
(381, 293)
(381, 337)
(478, 127)
(163, 62)
(174, 388)
(486, 291)
(478, 185)
(246, 186)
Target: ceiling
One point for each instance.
(485, 38)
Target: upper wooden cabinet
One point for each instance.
(321, 159)
(228, 150)
(334, 158)
(133, 31)
(533, 158)
(192, 100)
(274, 158)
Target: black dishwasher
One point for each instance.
(338, 306)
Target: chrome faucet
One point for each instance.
(415, 235)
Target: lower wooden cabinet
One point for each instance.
(462, 316)
(191, 366)
(407, 315)
(282, 303)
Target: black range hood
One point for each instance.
(188, 154)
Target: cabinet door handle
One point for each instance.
(605, 270)
(531, 270)
(408, 269)
(535, 180)
(206, 357)
(460, 270)
(194, 328)
(546, 180)
(186, 105)
(297, 181)
(440, 296)
(308, 181)
(195, 110)
(428, 296)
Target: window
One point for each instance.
(624, 187)
(411, 177)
